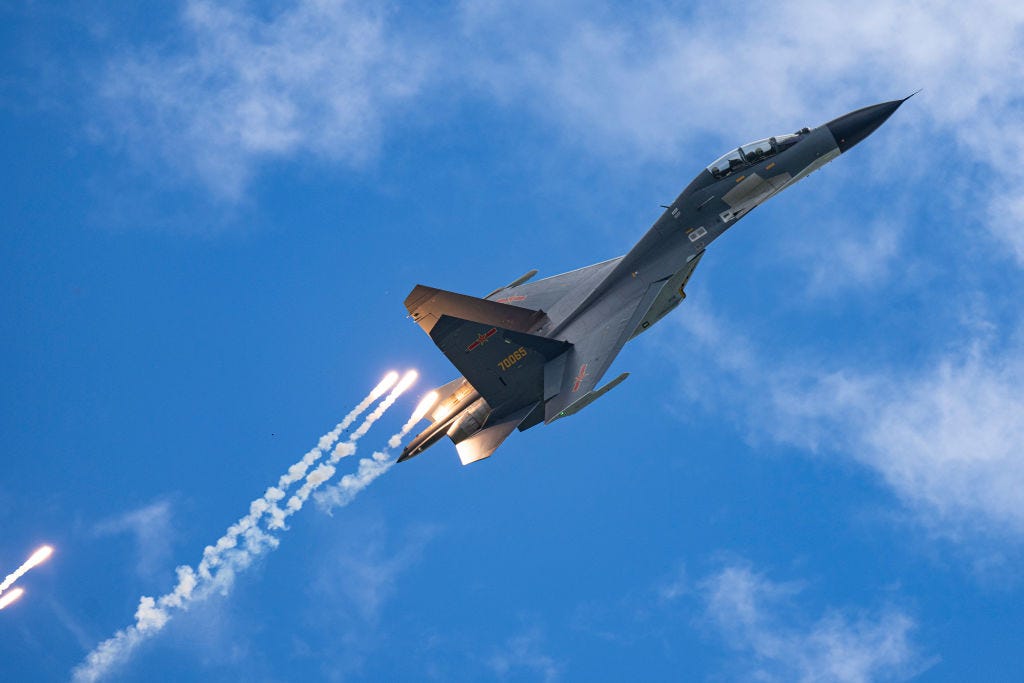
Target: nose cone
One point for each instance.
(851, 128)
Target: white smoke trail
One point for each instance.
(246, 527)
(298, 470)
(243, 542)
(325, 471)
(342, 493)
(38, 557)
(11, 597)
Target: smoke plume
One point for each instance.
(243, 541)
(342, 493)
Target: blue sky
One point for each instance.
(212, 214)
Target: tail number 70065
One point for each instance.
(511, 359)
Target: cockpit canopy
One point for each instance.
(751, 153)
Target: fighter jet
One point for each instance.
(533, 352)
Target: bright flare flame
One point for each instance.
(345, 448)
(37, 557)
(385, 384)
(11, 597)
(407, 381)
(424, 406)
(426, 403)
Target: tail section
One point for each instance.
(505, 366)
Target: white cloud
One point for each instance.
(71, 623)
(525, 652)
(1006, 217)
(723, 68)
(239, 89)
(860, 259)
(675, 586)
(947, 436)
(151, 527)
(371, 568)
(951, 440)
(357, 570)
(758, 619)
(666, 83)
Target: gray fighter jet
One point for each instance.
(534, 352)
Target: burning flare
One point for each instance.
(385, 384)
(38, 557)
(407, 381)
(11, 597)
(325, 471)
(425, 404)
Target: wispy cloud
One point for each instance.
(859, 257)
(357, 570)
(714, 62)
(946, 435)
(770, 630)
(759, 619)
(371, 566)
(952, 438)
(242, 86)
(153, 531)
(525, 652)
(727, 74)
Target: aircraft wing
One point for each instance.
(557, 293)
(608, 325)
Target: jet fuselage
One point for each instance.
(534, 352)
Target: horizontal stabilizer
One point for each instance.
(487, 440)
(590, 397)
(426, 305)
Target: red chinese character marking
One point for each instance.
(481, 339)
(510, 299)
(579, 377)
